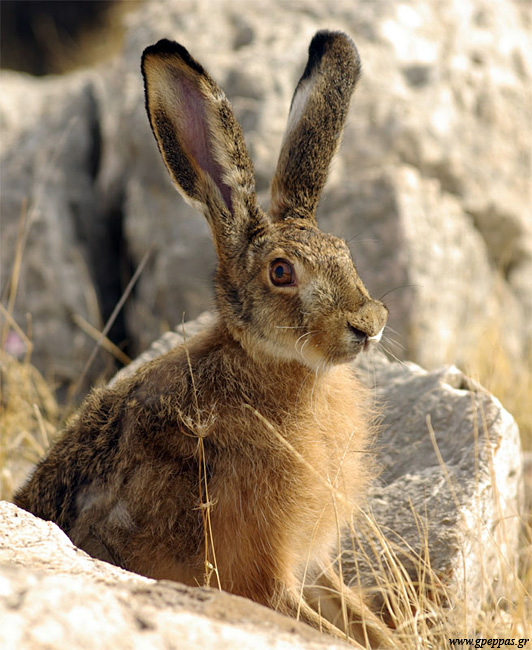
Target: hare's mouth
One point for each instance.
(363, 339)
(374, 339)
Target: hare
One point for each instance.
(235, 458)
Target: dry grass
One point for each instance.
(419, 605)
(29, 417)
(509, 381)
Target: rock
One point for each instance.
(447, 503)
(49, 159)
(431, 185)
(433, 173)
(54, 595)
(450, 498)
(443, 289)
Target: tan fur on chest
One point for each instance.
(287, 515)
(278, 497)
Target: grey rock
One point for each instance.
(450, 499)
(437, 152)
(49, 158)
(54, 595)
(432, 182)
(415, 245)
(446, 509)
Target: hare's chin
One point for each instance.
(262, 348)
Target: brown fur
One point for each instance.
(234, 458)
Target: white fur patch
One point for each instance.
(90, 496)
(95, 497)
(120, 517)
(377, 336)
(298, 107)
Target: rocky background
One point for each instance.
(431, 186)
(432, 190)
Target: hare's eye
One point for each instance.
(282, 273)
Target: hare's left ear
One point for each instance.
(315, 124)
(201, 143)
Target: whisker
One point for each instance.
(395, 343)
(310, 371)
(391, 329)
(306, 341)
(298, 340)
(303, 336)
(361, 241)
(394, 357)
(402, 286)
(314, 384)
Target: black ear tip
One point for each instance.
(325, 37)
(336, 42)
(165, 47)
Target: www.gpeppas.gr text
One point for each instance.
(489, 643)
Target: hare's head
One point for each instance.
(284, 288)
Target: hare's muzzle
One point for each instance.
(367, 324)
(363, 338)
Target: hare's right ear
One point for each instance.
(315, 124)
(200, 142)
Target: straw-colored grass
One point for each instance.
(29, 417)
(508, 379)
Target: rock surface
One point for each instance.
(49, 160)
(450, 497)
(431, 185)
(52, 595)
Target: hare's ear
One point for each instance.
(200, 142)
(315, 124)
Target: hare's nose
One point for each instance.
(377, 337)
(368, 321)
(363, 338)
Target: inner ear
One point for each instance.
(200, 142)
(195, 137)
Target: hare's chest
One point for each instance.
(271, 511)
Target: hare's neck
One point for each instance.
(255, 395)
(280, 383)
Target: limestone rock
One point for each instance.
(431, 184)
(54, 595)
(450, 499)
(448, 504)
(49, 158)
(433, 174)
(450, 495)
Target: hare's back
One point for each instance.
(125, 446)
